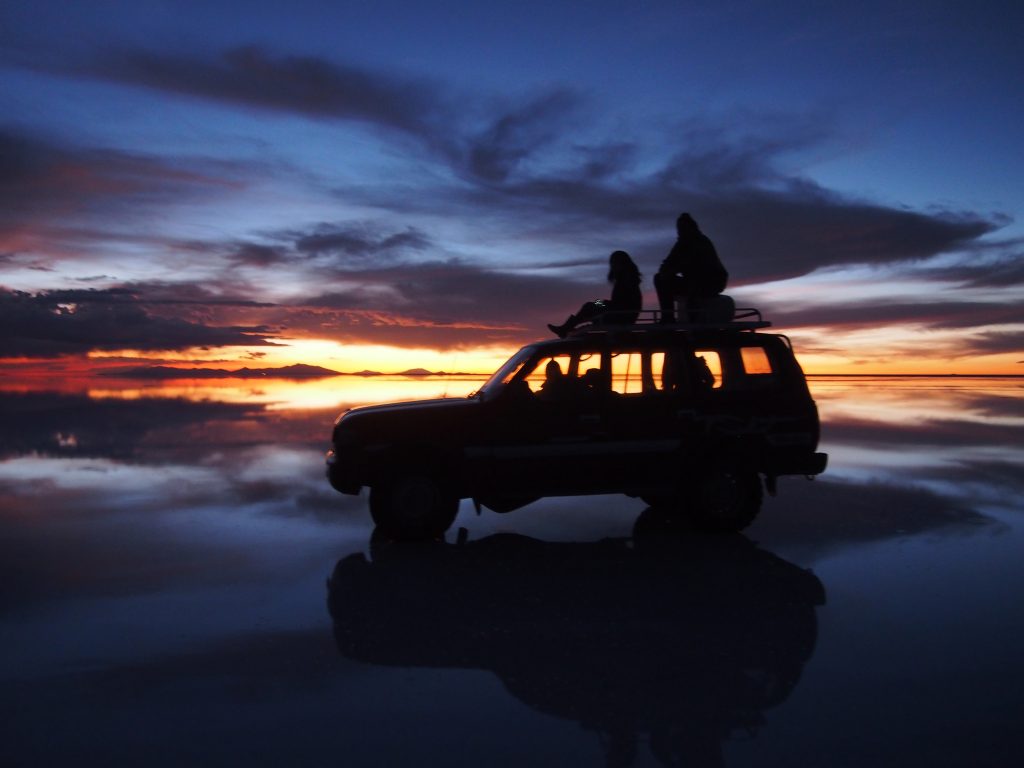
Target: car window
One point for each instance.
(587, 362)
(536, 378)
(507, 371)
(627, 373)
(637, 372)
(657, 370)
(709, 367)
(755, 361)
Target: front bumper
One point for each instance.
(340, 480)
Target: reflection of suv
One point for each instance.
(688, 418)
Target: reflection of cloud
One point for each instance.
(38, 423)
(824, 517)
(937, 432)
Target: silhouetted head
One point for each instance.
(686, 226)
(552, 370)
(621, 264)
(595, 379)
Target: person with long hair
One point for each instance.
(624, 305)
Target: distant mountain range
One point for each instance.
(169, 372)
(287, 372)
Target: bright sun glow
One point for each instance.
(343, 358)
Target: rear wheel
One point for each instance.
(726, 499)
(413, 506)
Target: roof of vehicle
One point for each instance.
(648, 329)
(650, 321)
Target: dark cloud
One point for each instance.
(514, 167)
(334, 245)
(156, 292)
(762, 234)
(317, 87)
(985, 265)
(77, 322)
(358, 242)
(441, 304)
(305, 85)
(17, 260)
(517, 135)
(994, 343)
(450, 291)
(525, 167)
(948, 314)
(258, 255)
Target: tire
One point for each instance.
(413, 506)
(726, 499)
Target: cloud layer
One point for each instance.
(510, 171)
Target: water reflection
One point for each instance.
(676, 640)
(273, 394)
(963, 437)
(164, 561)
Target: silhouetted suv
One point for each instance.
(689, 418)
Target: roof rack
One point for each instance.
(743, 319)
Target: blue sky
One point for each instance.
(454, 175)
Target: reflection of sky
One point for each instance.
(924, 431)
(184, 572)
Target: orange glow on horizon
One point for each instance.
(821, 351)
(343, 358)
(336, 392)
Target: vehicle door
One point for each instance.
(544, 437)
(639, 417)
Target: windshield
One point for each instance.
(504, 374)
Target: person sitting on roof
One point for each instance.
(624, 305)
(692, 269)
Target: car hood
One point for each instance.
(412, 405)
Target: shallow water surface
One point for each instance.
(180, 585)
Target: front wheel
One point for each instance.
(726, 499)
(413, 506)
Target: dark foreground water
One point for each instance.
(180, 586)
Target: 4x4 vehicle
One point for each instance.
(689, 418)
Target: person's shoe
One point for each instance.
(558, 330)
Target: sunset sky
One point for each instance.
(390, 185)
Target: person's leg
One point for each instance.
(668, 287)
(585, 312)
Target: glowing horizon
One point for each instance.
(864, 352)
